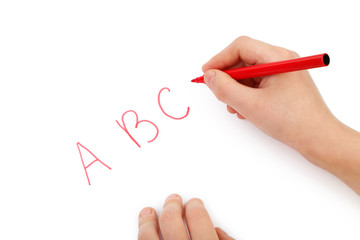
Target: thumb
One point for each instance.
(229, 91)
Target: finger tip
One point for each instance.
(240, 116)
(146, 212)
(173, 198)
(205, 66)
(203, 69)
(221, 233)
(148, 227)
(218, 230)
(194, 202)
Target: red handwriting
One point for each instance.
(136, 125)
(82, 160)
(187, 112)
(123, 127)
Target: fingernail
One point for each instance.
(208, 77)
(145, 212)
(172, 196)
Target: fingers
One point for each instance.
(229, 91)
(171, 219)
(243, 49)
(247, 51)
(198, 221)
(148, 226)
(232, 111)
(172, 224)
(223, 235)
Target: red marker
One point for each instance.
(266, 69)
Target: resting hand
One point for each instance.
(171, 223)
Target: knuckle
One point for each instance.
(168, 215)
(241, 39)
(144, 235)
(294, 54)
(147, 230)
(286, 54)
(165, 217)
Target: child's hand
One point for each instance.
(171, 223)
(286, 106)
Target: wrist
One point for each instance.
(336, 148)
(320, 143)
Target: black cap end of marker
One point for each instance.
(326, 59)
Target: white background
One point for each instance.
(69, 69)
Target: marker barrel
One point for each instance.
(297, 64)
